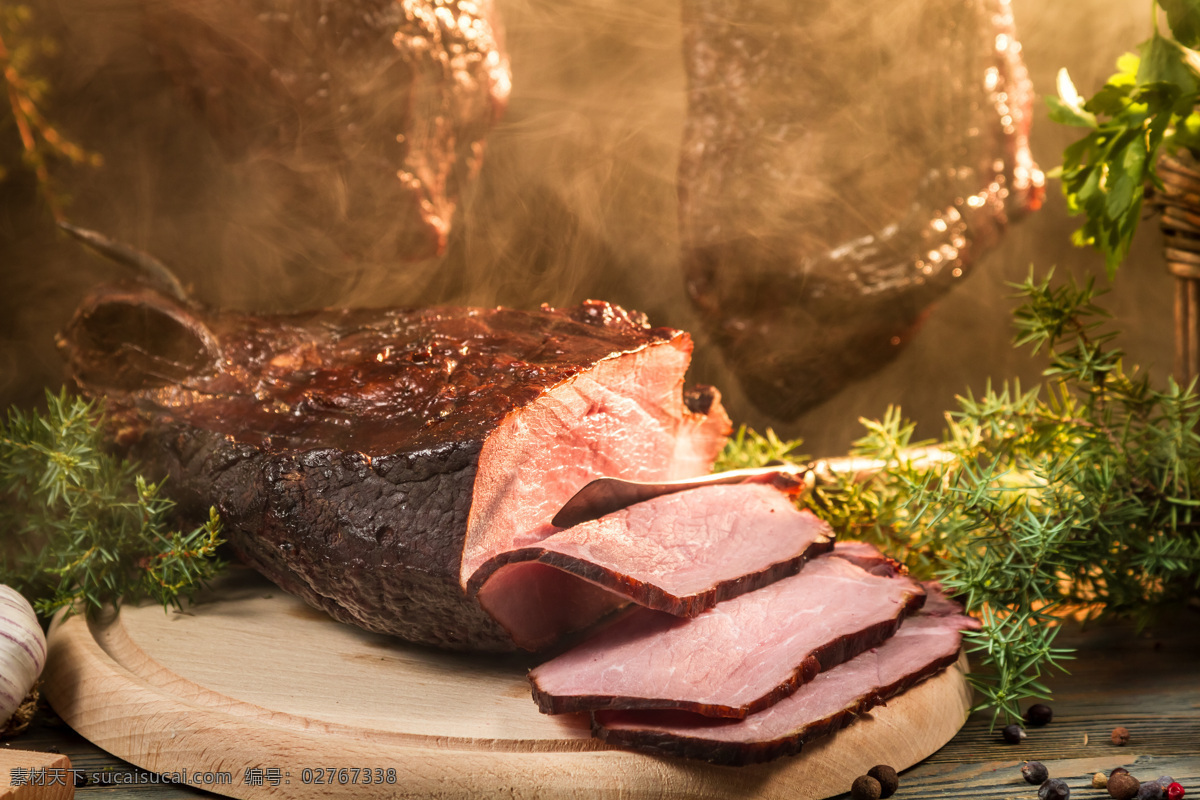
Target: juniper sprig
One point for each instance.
(748, 448)
(1080, 497)
(81, 526)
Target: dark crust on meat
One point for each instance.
(823, 658)
(734, 754)
(648, 595)
(699, 399)
(325, 524)
(341, 447)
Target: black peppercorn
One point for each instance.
(1054, 789)
(1013, 734)
(865, 788)
(1122, 785)
(1035, 772)
(1151, 790)
(1038, 714)
(889, 781)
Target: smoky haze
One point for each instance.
(576, 197)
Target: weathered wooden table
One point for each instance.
(1148, 682)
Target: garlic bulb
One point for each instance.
(22, 650)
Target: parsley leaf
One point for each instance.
(1147, 105)
(1184, 18)
(1162, 62)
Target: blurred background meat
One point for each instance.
(344, 110)
(816, 229)
(269, 187)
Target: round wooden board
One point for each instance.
(250, 678)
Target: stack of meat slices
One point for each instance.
(756, 675)
(675, 556)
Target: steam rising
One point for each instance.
(576, 197)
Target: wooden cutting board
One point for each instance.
(254, 684)
(31, 775)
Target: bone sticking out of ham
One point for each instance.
(925, 643)
(739, 657)
(679, 553)
(370, 461)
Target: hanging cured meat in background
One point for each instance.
(346, 108)
(811, 248)
(293, 201)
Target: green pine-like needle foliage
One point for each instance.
(80, 525)
(1080, 497)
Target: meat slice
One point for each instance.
(679, 553)
(737, 658)
(370, 461)
(926, 643)
(867, 556)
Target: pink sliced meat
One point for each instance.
(926, 643)
(868, 557)
(681, 553)
(737, 658)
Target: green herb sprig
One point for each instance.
(748, 448)
(1080, 497)
(1148, 105)
(81, 525)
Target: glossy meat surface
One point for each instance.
(369, 380)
